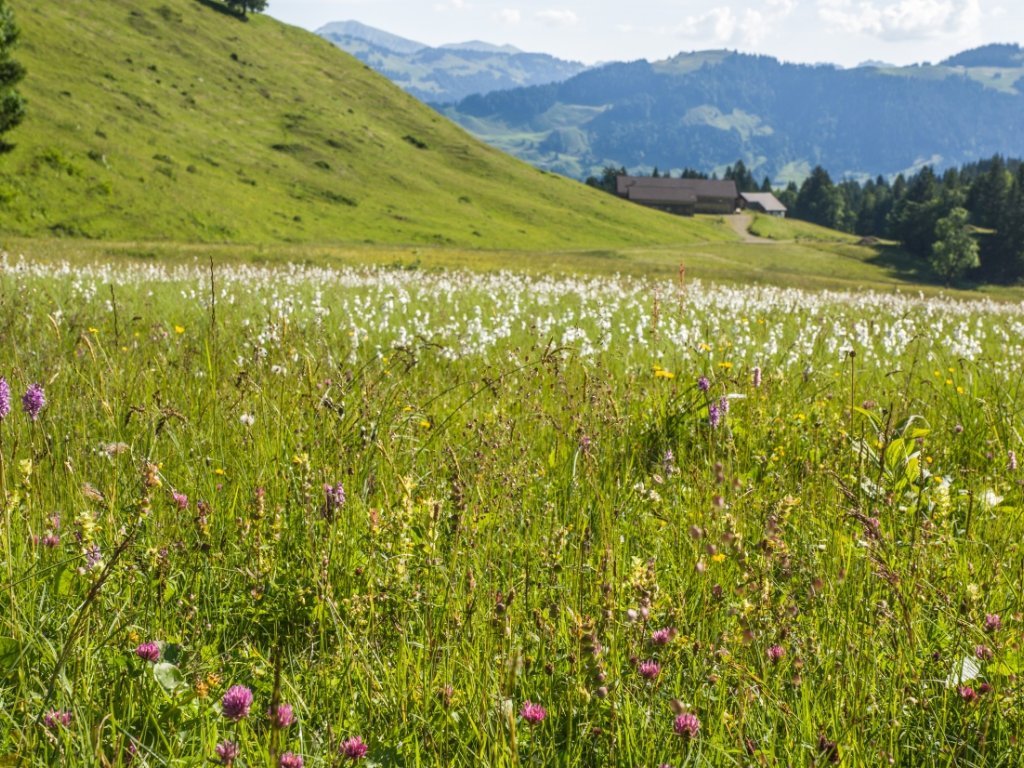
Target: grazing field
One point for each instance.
(287, 516)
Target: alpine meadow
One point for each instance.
(332, 437)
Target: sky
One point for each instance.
(844, 32)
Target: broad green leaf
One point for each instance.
(168, 676)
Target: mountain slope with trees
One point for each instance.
(179, 120)
(704, 110)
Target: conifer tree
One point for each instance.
(12, 106)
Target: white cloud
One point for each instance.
(558, 18)
(902, 19)
(510, 15)
(724, 26)
(718, 24)
(451, 5)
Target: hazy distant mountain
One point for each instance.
(999, 55)
(343, 30)
(706, 110)
(451, 72)
(480, 45)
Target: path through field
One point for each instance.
(740, 223)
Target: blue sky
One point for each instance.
(844, 32)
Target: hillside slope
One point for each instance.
(176, 121)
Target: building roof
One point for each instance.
(701, 188)
(662, 194)
(768, 202)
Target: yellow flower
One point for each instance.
(727, 366)
(93, 330)
(179, 329)
(718, 557)
(218, 471)
(425, 424)
(300, 458)
(661, 373)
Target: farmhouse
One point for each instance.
(683, 197)
(764, 202)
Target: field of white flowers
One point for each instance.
(298, 516)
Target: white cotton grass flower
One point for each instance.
(247, 419)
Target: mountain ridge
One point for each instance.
(707, 109)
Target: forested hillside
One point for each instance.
(707, 109)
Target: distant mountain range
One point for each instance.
(451, 72)
(706, 110)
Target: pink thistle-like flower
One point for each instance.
(353, 749)
(532, 713)
(703, 384)
(33, 401)
(776, 653)
(687, 725)
(649, 670)
(281, 717)
(180, 500)
(50, 541)
(757, 377)
(983, 652)
(663, 636)
(5, 398)
(55, 718)
(984, 688)
(290, 760)
(714, 415)
(236, 703)
(967, 693)
(228, 752)
(334, 495)
(148, 652)
(993, 623)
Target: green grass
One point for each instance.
(533, 488)
(775, 228)
(173, 121)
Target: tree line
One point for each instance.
(967, 222)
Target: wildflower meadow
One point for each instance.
(279, 517)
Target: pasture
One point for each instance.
(306, 515)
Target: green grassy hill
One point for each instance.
(175, 121)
